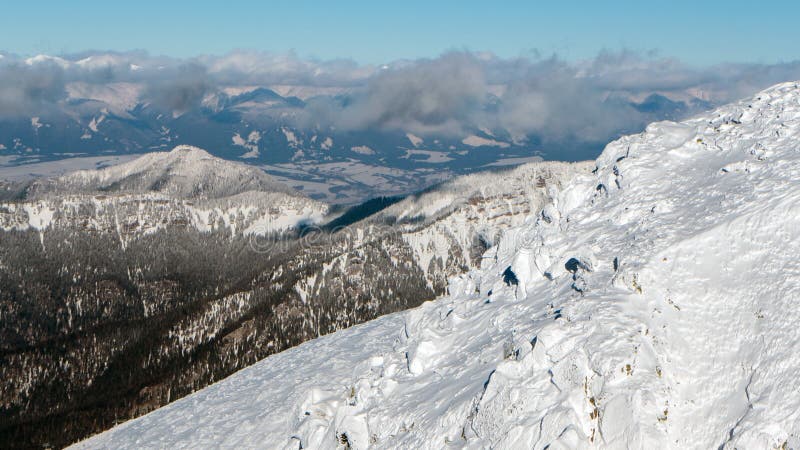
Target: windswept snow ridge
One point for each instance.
(652, 305)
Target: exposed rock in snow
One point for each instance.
(682, 332)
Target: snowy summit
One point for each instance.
(183, 172)
(652, 304)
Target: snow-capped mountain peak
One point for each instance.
(184, 172)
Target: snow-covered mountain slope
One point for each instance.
(184, 172)
(442, 232)
(161, 310)
(184, 187)
(653, 306)
(257, 213)
(445, 225)
(507, 191)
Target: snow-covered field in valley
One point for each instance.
(654, 304)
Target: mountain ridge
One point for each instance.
(186, 186)
(185, 171)
(119, 301)
(653, 306)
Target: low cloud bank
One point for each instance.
(450, 95)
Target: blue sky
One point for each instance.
(697, 32)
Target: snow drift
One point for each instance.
(653, 305)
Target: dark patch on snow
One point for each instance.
(572, 265)
(509, 277)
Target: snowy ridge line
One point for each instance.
(652, 306)
(482, 206)
(184, 187)
(449, 226)
(185, 172)
(248, 213)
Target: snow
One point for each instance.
(291, 138)
(39, 216)
(184, 187)
(452, 216)
(416, 141)
(47, 59)
(363, 150)
(55, 168)
(251, 143)
(102, 61)
(431, 156)
(513, 161)
(119, 97)
(95, 122)
(247, 214)
(289, 217)
(477, 141)
(233, 91)
(237, 139)
(254, 153)
(655, 308)
(351, 181)
(185, 171)
(304, 92)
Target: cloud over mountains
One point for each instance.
(458, 91)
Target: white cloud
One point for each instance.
(454, 94)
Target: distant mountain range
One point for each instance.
(273, 127)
